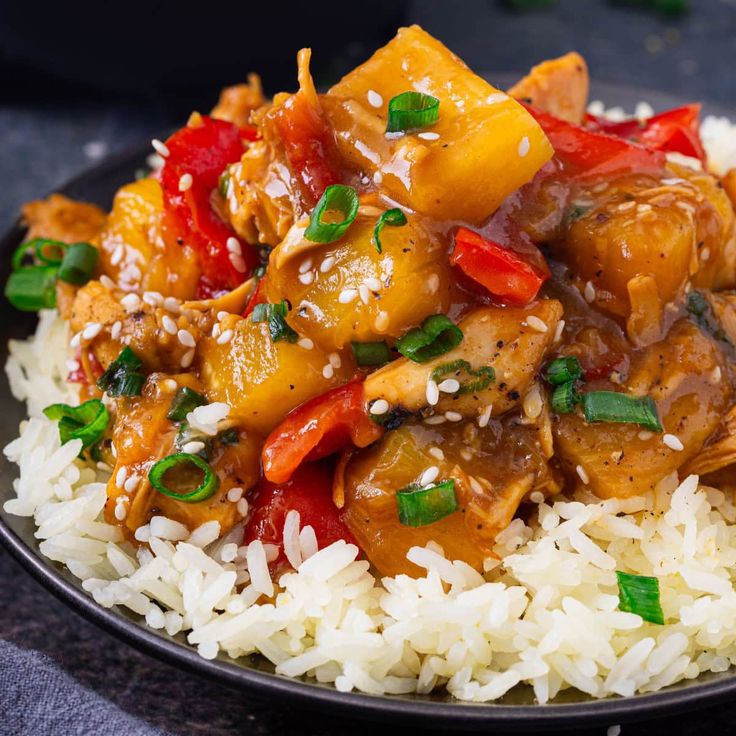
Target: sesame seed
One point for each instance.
(216, 330)
(193, 447)
(536, 497)
(589, 292)
(120, 476)
(225, 337)
(242, 507)
(381, 406)
(347, 296)
(532, 403)
(305, 343)
(536, 324)
(186, 339)
(429, 135)
(373, 284)
(453, 416)
(107, 282)
(306, 278)
(76, 340)
(328, 371)
(186, 359)
(485, 416)
(327, 264)
(436, 453)
(475, 485)
(235, 494)
(433, 283)
(334, 359)
(381, 321)
(117, 254)
(91, 330)
(121, 510)
(715, 376)
(169, 325)
(432, 392)
(626, 206)
(233, 246)
(642, 208)
(466, 454)
(305, 265)
(449, 386)
(153, 298)
(436, 419)
(374, 99)
(524, 146)
(364, 292)
(559, 330)
(430, 475)
(171, 304)
(705, 254)
(169, 385)
(185, 182)
(72, 365)
(673, 442)
(132, 483)
(160, 148)
(580, 470)
(238, 263)
(377, 178)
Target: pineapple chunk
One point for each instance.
(483, 147)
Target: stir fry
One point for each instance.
(404, 307)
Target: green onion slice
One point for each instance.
(45, 251)
(223, 181)
(610, 406)
(563, 369)
(485, 375)
(86, 422)
(33, 288)
(697, 304)
(639, 594)
(123, 377)
(185, 400)
(422, 506)
(229, 436)
(437, 336)
(275, 315)
(565, 398)
(79, 263)
(371, 353)
(411, 111)
(394, 217)
(337, 198)
(175, 476)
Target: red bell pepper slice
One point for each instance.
(676, 130)
(203, 151)
(500, 270)
(589, 154)
(309, 491)
(257, 297)
(79, 375)
(309, 146)
(319, 427)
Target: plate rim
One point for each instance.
(311, 695)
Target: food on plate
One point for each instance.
(412, 383)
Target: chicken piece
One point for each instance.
(236, 103)
(141, 328)
(347, 290)
(143, 435)
(634, 246)
(262, 379)
(719, 453)
(557, 86)
(493, 470)
(483, 146)
(134, 253)
(683, 374)
(495, 337)
(60, 218)
(729, 185)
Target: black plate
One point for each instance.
(515, 712)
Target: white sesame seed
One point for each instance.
(715, 376)
(186, 338)
(238, 263)
(642, 208)
(466, 454)
(91, 330)
(536, 497)
(132, 483)
(306, 343)
(225, 337)
(524, 146)
(186, 359)
(131, 302)
(436, 419)
(589, 292)
(215, 330)
(453, 416)
(364, 292)
(485, 416)
(327, 264)
(475, 485)
(381, 321)
(532, 403)
(185, 182)
(559, 330)
(433, 283)
(582, 474)
(76, 340)
(305, 265)
(374, 99)
(429, 135)
(381, 406)
(377, 178)
(432, 392)
(673, 442)
(193, 447)
(233, 246)
(705, 254)
(72, 365)
(306, 278)
(430, 475)
(242, 506)
(235, 494)
(153, 298)
(373, 284)
(347, 296)
(120, 476)
(117, 254)
(172, 304)
(160, 148)
(335, 360)
(536, 324)
(169, 325)
(121, 510)
(625, 206)
(107, 282)
(449, 386)
(328, 371)
(644, 435)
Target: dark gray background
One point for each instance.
(43, 143)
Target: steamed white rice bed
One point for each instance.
(546, 615)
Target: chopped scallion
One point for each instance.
(185, 400)
(371, 353)
(44, 250)
(394, 217)
(33, 288)
(422, 506)
(484, 375)
(639, 594)
(563, 369)
(565, 398)
(86, 422)
(275, 315)
(123, 376)
(437, 336)
(177, 476)
(78, 263)
(411, 111)
(610, 406)
(337, 198)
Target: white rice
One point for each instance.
(544, 613)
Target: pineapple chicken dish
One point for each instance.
(409, 312)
